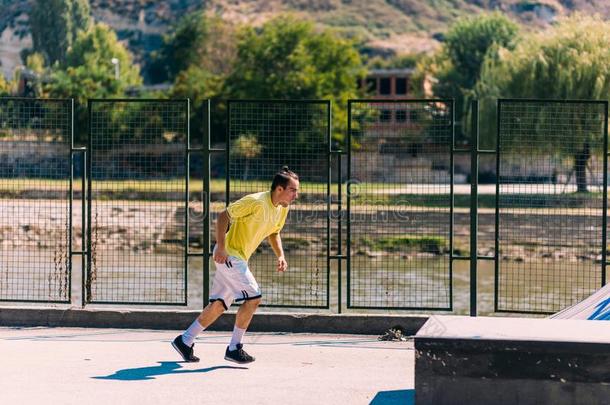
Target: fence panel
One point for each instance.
(263, 136)
(550, 193)
(400, 204)
(138, 199)
(35, 147)
(550, 201)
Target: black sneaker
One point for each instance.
(238, 355)
(185, 351)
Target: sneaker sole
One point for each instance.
(181, 355)
(238, 362)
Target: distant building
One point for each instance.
(387, 83)
(390, 84)
(395, 133)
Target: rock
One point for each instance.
(425, 255)
(373, 254)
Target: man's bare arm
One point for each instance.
(222, 223)
(276, 244)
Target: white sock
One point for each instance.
(189, 335)
(238, 334)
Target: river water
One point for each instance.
(375, 283)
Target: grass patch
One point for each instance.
(571, 200)
(295, 243)
(147, 186)
(429, 244)
(364, 193)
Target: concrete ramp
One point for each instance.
(508, 361)
(594, 308)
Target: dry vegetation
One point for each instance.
(398, 25)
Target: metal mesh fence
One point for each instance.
(551, 178)
(138, 201)
(400, 204)
(542, 194)
(264, 136)
(35, 144)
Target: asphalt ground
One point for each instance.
(89, 366)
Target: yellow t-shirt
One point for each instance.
(253, 218)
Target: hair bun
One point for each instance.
(282, 178)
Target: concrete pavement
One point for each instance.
(89, 366)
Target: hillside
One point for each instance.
(385, 26)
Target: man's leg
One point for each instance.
(242, 321)
(221, 297)
(245, 313)
(184, 343)
(207, 317)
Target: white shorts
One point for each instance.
(233, 281)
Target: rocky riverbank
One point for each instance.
(159, 228)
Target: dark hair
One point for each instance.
(282, 178)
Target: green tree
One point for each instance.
(208, 54)
(5, 87)
(246, 146)
(90, 73)
(55, 25)
(35, 62)
(199, 85)
(287, 58)
(401, 61)
(196, 40)
(568, 61)
(468, 42)
(457, 67)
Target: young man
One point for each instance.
(253, 218)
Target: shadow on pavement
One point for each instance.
(403, 397)
(165, 367)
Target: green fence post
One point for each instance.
(474, 206)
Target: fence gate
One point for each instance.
(36, 210)
(137, 202)
(264, 135)
(400, 204)
(551, 203)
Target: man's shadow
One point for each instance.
(164, 367)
